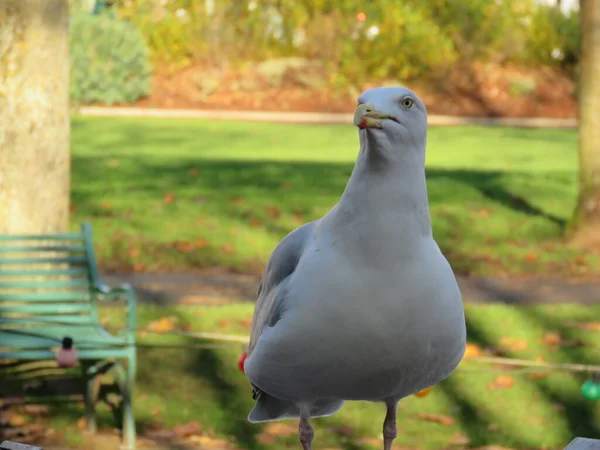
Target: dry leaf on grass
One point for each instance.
(187, 429)
(459, 439)
(502, 382)
(281, 429)
(163, 325)
(169, 198)
(588, 326)
(439, 418)
(201, 243)
(552, 339)
(513, 344)
(472, 350)
(227, 249)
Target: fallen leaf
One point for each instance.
(530, 257)
(134, 252)
(113, 163)
(184, 246)
(538, 375)
(209, 442)
(286, 186)
(169, 198)
(16, 421)
(281, 429)
(163, 324)
(265, 439)
(82, 424)
(224, 323)
(472, 350)
(345, 431)
(580, 260)
(105, 206)
(513, 344)
(139, 267)
(246, 322)
(188, 429)
(156, 411)
(297, 217)
(273, 212)
(484, 212)
(227, 249)
(72, 208)
(459, 439)
(234, 231)
(589, 326)
(201, 243)
(552, 339)
(493, 427)
(236, 201)
(193, 172)
(439, 418)
(502, 382)
(160, 434)
(255, 222)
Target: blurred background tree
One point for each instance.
(586, 221)
(34, 113)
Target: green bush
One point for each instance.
(109, 61)
(553, 39)
(414, 38)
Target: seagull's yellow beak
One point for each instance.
(366, 116)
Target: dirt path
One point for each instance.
(310, 117)
(221, 289)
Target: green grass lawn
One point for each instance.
(176, 386)
(182, 194)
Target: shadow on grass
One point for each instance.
(208, 366)
(234, 192)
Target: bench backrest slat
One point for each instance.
(47, 280)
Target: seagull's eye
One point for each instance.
(407, 102)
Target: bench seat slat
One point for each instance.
(46, 297)
(67, 260)
(48, 319)
(83, 354)
(43, 284)
(43, 237)
(83, 337)
(48, 308)
(74, 271)
(25, 249)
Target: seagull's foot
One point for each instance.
(390, 430)
(305, 431)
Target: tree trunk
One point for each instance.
(586, 220)
(34, 116)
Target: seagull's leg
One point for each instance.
(305, 431)
(389, 424)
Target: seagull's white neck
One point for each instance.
(385, 200)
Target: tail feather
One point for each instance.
(268, 409)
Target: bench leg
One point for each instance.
(91, 396)
(125, 379)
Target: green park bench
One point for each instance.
(49, 294)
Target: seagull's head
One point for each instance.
(394, 114)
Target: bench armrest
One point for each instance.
(126, 292)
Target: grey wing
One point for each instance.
(271, 290)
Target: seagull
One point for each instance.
(360, 304)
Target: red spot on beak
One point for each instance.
(241, 362)
(362, 124)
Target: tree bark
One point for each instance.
(34, 116)
(586, 220)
